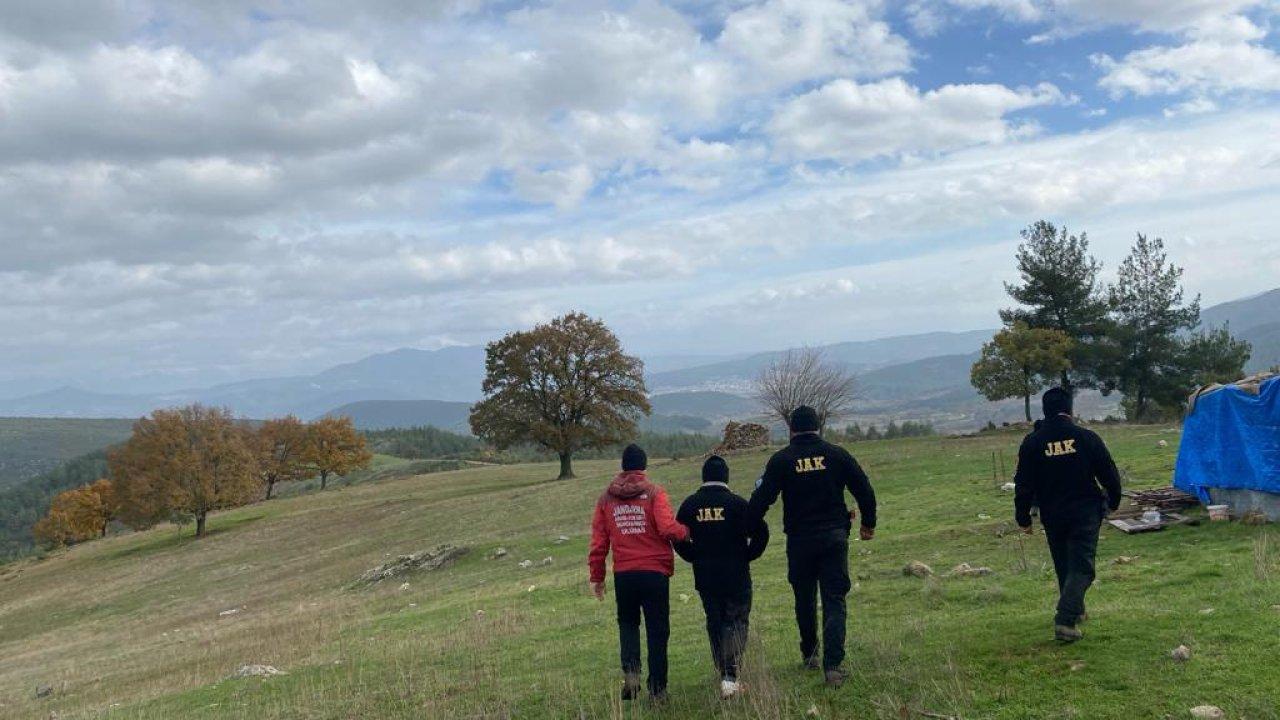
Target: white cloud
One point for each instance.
(851, 121)
(563, 188)
(1200, 66)
(788, 41)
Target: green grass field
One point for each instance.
(129, 627)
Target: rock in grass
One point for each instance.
(434, 559)
(258, 671)
(1182, 653)
(915, 568)
(1207, 712)
(526, 564)
(229, 613)
(43, 691)
(498, 553)
(547, 561)
(967, 570)
(562, 539)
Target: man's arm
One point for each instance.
(757, 537)
(684, 516)
(599, 545)
(1024, 494)
(859, 486)
(1108, 476)
(766, 492)
(670, 530)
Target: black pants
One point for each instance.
(728, 615)
(819, 564)
(650, 593)
(1073, 543)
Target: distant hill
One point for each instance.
(703, 403)
(385, 414)
(33, 446)
(858, 356)
(1255, 319)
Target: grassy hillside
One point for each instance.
(129, 627)
(34, 446)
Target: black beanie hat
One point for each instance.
(1056, 401)
(715, 469)
(804, 419)
(633, 458)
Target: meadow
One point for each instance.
(132, 626)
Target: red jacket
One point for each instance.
(634, 517)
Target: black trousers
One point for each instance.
(648, 593)
(1073, 543)
(818, 564)
(728, 617)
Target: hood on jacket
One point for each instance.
(629, 484)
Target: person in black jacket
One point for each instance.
(723, 541)
(812, 476)
(1068, 472)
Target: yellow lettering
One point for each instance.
(817, 463)
(811, 464)
(710, 514)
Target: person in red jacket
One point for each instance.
(633, 518)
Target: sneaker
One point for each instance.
(835, 677)
(729, 688)
(1066, 633)
(812, 663)
(630, 686)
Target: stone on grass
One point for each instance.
(812, 711)
(531, 588)
(44, 691)
(1163, 443)
(966, 570)
(404, 586)
(1207, 712)
(562, 539)
(1123, 560)
(229, 613)
(917, 569)
(434, 559)
(526, 564)
(498, 553)
(1076, 665)
(547, 561)
(1182, 653)
(254, 670)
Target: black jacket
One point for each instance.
(722, 539)
(1067, 471)
(811, 474)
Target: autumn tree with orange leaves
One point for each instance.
(78, 515)
(282, 447)
(335, 448)
(181, 464)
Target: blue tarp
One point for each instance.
(1231, 440)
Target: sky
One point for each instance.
(193, 193)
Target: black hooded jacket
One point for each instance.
(812, 476)
(1067, 471)
(722, 539)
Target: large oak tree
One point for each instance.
(335, 448)
(282, 447)
(182, 464)
(565, 385)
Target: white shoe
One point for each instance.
(729, 688)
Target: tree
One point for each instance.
(335, 448)
(1214, 356)
(566, 385)
(78, 515)
(183, 463)
(804, 377)
(1059, 290)
(1019, 362)
(281, 445)
(1147, 363)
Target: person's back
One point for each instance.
(812, 476)
(1067, 471)
(723, 540)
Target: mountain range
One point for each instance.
(920, 377)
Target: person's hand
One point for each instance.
(1028, 530)
(866, 533)
(597, 589)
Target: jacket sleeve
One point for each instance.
(599, 544)
(668, 527)
(766, 492)
(1024, 494)
(860, 487)
(1104, 469)
(684, 548)
(757, 537)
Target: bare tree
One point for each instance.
(805, 377)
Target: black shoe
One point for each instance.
(812, 663)
(1067, 633)
(835, 677)
(630, 686)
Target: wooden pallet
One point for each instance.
(1134, 525)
